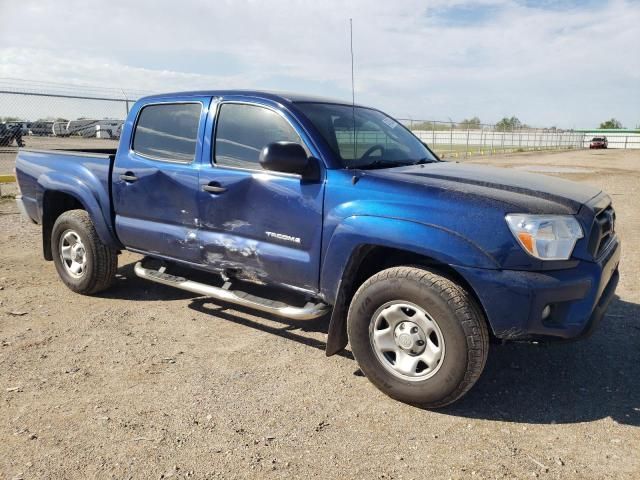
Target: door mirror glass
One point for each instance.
(286, 157)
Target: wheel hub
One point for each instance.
(410, 337)
(406, 340)
(78, 252)
(73, 254)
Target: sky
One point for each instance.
(570, 64)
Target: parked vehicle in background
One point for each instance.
(90, 128)
(84, 127)
(118, 132)
(23, 126)
(109, 129)
(41, 129)
(599, 142)
(10, 132)
(60, 129)
(327, 207)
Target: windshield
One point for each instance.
(380, 141)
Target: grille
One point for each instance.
(603, 231)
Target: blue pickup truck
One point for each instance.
(302, 207)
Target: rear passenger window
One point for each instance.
(244, 130)
(168, 131)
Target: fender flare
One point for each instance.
(345, 251)
(86, 195)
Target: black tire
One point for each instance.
(101, 260)
(459, 318)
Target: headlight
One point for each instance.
(547, 237)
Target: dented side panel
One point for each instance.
(265, 228)
(158, 212)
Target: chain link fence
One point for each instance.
(48, 115)
(47, 109)
(55, 115)
(460, 140)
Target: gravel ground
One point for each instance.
(146, 381)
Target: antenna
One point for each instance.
(353, 88)
(353, 94)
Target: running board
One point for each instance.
(309, 311)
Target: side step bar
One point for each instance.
(309, 311)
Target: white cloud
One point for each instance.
(564, 66)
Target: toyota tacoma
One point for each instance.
(302, 207)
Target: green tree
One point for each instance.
(470, 123)
(612, 123)
(507, 124)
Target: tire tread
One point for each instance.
(105, 257)
(467, 311)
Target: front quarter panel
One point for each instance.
(428, 240)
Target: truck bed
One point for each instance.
(74, 151)
(83, 174)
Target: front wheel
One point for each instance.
(83, 262)
(417, 336)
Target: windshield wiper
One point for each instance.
(424, 160)
(383, 164)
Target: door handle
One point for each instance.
(128, 177)
(214, 187)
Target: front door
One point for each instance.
(256, 224)
(155, 180)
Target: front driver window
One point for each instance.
(244, 130)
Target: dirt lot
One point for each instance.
(149, 382)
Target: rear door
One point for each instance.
(155, 178)
(256, 224)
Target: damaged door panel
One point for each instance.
(234, 227)
(259, 225)
(155, 183)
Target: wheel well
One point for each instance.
(55, 204)
(375, 259)
(368, 260)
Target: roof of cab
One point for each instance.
(282, 97)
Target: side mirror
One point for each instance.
(286, 157)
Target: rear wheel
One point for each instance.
(418, 337)
(83, 262)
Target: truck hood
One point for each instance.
(528, 192)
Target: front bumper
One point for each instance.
(578, 297)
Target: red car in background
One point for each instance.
(599, 142)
